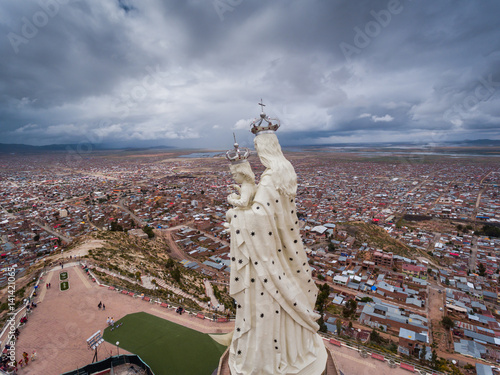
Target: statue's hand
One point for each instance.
(236, 187)
(231, 198)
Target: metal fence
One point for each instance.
(213, 315)
(112, 362)
(390, 358)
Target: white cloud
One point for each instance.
(374, 118)
(386, 118)
(27, 128)
(243, 124)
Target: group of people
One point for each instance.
(179, 310)
(47, 285)
(101, 306)
(25, 360)
(110, 321)
(7, 365)
(30, 306)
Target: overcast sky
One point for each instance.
(189, 73)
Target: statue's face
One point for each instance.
(238, 177)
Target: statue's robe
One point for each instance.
(276, 329)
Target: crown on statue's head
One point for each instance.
(237, 155)
(264, 124)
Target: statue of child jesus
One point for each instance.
(242, 174)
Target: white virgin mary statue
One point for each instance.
(275, 330)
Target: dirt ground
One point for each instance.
(440, 335)
(83, 249)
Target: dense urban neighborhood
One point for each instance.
(405, 249)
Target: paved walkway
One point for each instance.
(209, 291)
(59, 327)
(63, 321)
(147, 283)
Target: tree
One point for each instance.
(490, 231)
(176, 274)
(434, 359)
(324, 292)
(422, 353)
(322, 325)
(375, 337)
(481, 269)
(350, 308)
(338, 323)
(115, 227)
(447, 322)
(170, 263)
(331, 247)
(36, 238)
(149, 231)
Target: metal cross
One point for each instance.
(262, 105)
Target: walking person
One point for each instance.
(26, 359)
(99, 305)
(103, 307)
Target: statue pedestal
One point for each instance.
(224, 366)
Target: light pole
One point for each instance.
(118, 348)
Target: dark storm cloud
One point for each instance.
(190, 73)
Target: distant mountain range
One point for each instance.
(24, 149)
(29, 149)
(465, 143)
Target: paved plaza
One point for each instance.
(59, 327)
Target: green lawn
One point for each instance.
(63, 275)
(166, 347)
(64, 285)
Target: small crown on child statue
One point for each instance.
(237, 155)
(264, 124)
